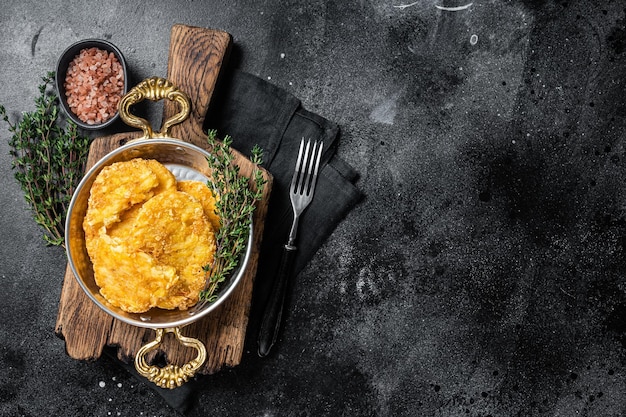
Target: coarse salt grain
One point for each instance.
(94, 84)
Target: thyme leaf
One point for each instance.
(48, 160)
(236, 197)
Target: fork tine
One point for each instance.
(303, 185)
(298, 167)
(304, 172)
(307, 168)
(317, 166)
(306, 189)
(309, 171)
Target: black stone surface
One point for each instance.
(483, 275)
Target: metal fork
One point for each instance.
(301, 194)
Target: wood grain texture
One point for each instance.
(196, 56)
(195, 59)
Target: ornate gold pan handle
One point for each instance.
(155, 89)
(171, 376)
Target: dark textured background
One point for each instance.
(483, 274)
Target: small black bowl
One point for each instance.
(64, 61)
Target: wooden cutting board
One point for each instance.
(195, 58)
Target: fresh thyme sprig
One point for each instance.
(236, 197)
(48, 160)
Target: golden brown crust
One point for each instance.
(122, 185)
(201, 192)
(172, 228)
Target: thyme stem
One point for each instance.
(236, 201)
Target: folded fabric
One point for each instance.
(255, 112)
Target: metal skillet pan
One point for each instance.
(186, 161)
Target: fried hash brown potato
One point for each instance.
(172, 228)
(129, 279)
(121, 186)
(148, 242)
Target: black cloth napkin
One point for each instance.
(254, 112)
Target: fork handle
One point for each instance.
(271, 320)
